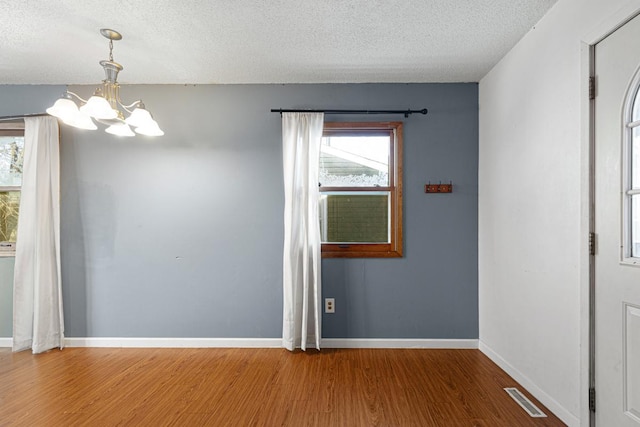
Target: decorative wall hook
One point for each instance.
(439, 187)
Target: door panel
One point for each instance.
(617, 284)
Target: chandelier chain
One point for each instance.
(111, 50)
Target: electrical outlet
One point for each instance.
(329, 305)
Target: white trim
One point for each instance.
(587, 223)
(175, 342)
(558, 410)
(265, 343)
(6, 342)
(399, 343)
(611, 23)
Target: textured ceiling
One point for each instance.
(270, 41)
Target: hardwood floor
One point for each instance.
(257, 387)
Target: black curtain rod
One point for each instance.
(22, 116)
(405, 112)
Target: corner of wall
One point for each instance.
(552, 404)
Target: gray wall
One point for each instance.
(181, 236)
(6, 296)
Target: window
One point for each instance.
(11, 155)
(631, 175)
(361, 190)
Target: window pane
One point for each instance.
(9, 206)
(355, 218)
(354, 161)
(11, 153)
(635, 158)
(635, 226)
(635, 115)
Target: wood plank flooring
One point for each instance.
(257, 387)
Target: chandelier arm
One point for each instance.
(136, 103)
(76, 95)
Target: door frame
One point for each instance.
(587, 207)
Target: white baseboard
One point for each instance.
(261, 343)
(175, 342)
(557, 409)
(398, 343)
(267, 343)
(165, 342)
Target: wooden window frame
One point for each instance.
(393, 249)
(8, 249)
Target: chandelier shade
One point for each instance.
(151, 130)
(99, 108)
(67, 111)
(140, 118)
(120, 129)
(105, 105)
(81, 121)
(64, 108)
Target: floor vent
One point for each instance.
(526, 404)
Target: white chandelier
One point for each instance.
(105, 105)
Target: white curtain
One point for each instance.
(302, 317)
(37, 293)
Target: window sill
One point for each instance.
(361, 255)
(360, 251)
(632, 262)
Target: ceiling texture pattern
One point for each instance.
(251, 41)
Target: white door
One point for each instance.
(617, 279)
